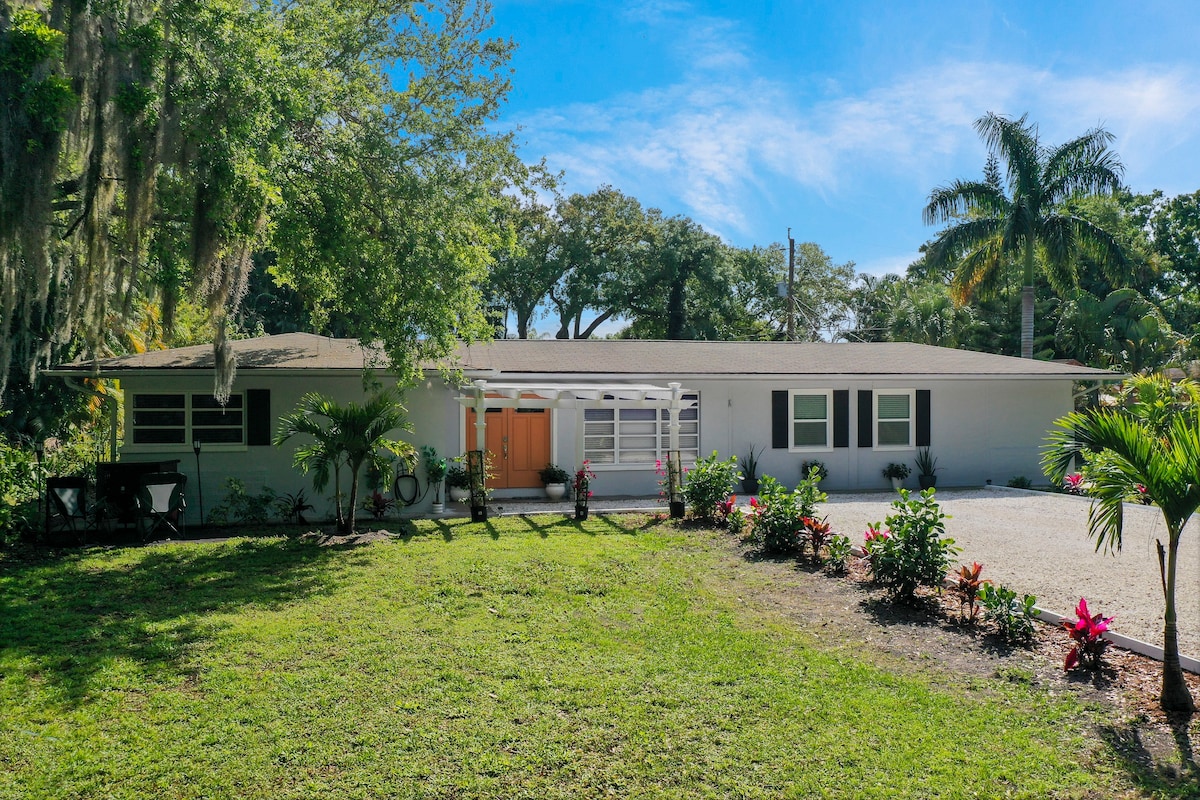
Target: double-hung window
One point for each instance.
(184, 418)
(636, 435)
(812, 420)
(894, 418)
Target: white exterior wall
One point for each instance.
(981, 429)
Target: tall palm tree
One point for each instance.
(349, 436)
(1025, 222)
(1151, 447)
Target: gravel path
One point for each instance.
(1037, 543)
(1033, 542)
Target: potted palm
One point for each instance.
(554, 478)
(458, 483)
(435, 470)
(926, 469)
(897, 473)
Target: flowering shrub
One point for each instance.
(915, 553)
(581, 485)
(1013, 617)
(709, 485)
(1073, 484)
(777, 522)
(967, 585)
(1088, 634)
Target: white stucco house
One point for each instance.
(855, 407)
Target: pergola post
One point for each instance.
(674, 465)
(480, 415)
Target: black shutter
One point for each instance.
(779, 420)
(866, 418)
(258, 417)
(841, 417)
(922, 418)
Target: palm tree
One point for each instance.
(999, 227)
(349, 436)
(1123, 449)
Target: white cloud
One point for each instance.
(723, 147)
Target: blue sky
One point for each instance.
(838, 118)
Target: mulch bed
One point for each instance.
(849, 610)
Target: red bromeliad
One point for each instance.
(1088, 634)
(967, 585)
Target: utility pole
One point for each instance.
(791, 293)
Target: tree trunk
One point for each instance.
(1175, 695)
(1026, 322)
(347, 526)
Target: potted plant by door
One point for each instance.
(458, 482)
(749, 466)
(926, 469)
(435, 471)
(554, 478)
(897, 473)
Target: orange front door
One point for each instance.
(518, 440)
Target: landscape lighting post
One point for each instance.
(199, 485)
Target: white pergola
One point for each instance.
(483, 394)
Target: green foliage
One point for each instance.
(897, 470)
(457, 477)
(1013, 616)
(709, 483)
(781, 518)
(293, 506)
(1148, 448)
(346, 436)
(435, 465)
(553, 473)
(242, 508)
(807, 466)
(1020, 482)
(838, 553)
(915, 554)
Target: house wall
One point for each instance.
(981, 430)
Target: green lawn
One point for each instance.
(526, 658)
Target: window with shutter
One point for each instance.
(811, 420)
(894, 419)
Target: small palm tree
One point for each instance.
(349, 436)
(1026, 222)
(1124, 450)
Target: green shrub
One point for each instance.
(838, 553)
(1013, 617)
(781, 518)
(1020, 482)
(915, 553)
(243, 508)
(709, 483)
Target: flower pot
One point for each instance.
(677, 509)
(897, 483)
(927, 481)
(438, 508)
(459, 494)
(750, 485)
(556, 491)
(581, 511)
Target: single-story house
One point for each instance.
(618, 404)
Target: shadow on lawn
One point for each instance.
(1158, 775)
(72, 618)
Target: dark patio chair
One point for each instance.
(67, 508)
(161, 504)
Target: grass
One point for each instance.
(524, 658)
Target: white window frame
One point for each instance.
(661, 436)
(189, 428)
(792, 446)
(912, 419)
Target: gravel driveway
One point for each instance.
(1037, 543)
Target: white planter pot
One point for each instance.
(459, 494)
(897, 483)
(556, 491)
(438, 508)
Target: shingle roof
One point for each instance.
(305, 351)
